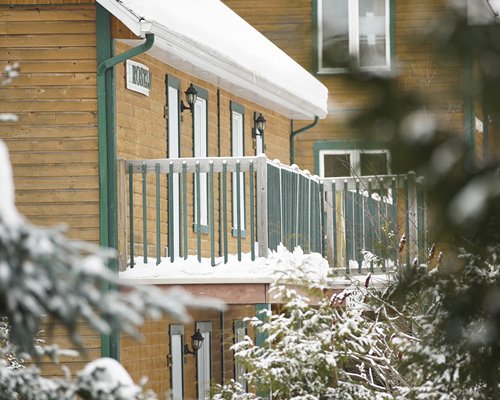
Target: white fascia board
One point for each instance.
(222, 72)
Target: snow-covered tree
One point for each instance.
(46, 277)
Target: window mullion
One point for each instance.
(354, 29)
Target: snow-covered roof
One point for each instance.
(208, 40)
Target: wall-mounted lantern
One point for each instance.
(196, 343)
(191, 96)
(259, 126)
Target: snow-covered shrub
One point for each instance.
(316, 348)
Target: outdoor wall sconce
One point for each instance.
(196, 343)
(259, 126)
(191, 96)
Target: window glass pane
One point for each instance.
(335, 33)
(337, 165)
(373, 163)
(372, 33)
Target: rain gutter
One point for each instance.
(108, 220)
(295, 133)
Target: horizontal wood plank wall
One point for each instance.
(142, 133)
(53, 146)
(148, 357)
(288, 24)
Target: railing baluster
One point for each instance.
(184, 209)
(421, 222)
(158, 233)
(370, 234)
(323, 219)
(238, 208)
(282, 206)
(144, 214)
(334, 224)
(131, 212)
(211, 213)
(394, 219)
(252, 213)
(358, 202)
(407, 219)
(198, 211)
(171, 216)
(224, 207)
(347, 223)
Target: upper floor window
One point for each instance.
(353, 29)
(340, 163)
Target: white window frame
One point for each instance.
(204, 361)
(238, 150)
(177, 361)
(239, 333)
(353, 24)
(200, 149)
(355, 158)
(173, 92)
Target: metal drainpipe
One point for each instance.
(295, 133)
(107, 173)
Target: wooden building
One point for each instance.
(389, 36)
(93, 94)
(103, 144)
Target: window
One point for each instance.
(203, 361)
(174, 227)
(176, 361)
(239, 332)
(335, 163)
(237, 150)
(352, 29)
(200, 144)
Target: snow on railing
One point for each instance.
(213, 207)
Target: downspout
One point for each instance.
(295, 133)
(107, 173)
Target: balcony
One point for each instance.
(211, 208)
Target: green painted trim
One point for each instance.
(104, 51)
(392, 33)
(237, 107)
(108, 218)
(469, 112)
(202, 92)
(234, 233)
(260, 338)
(342, 145)
(314, 37)
(174, 82)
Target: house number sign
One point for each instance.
(138, 77)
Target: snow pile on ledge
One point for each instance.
(280, 264)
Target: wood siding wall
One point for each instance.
(149, 356)
(142, 133)
(53, 145)
(288, 23)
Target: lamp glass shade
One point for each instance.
(260, 123)
(191, 94)
(197, 341)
